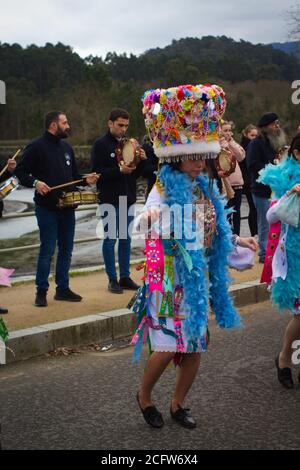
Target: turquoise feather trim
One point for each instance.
(179, 190)
(282, 178)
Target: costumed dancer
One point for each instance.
(11, 165)
(172, 306)
(4, 281)
(273, 240)
(284, 180)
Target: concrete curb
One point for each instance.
(99, 328)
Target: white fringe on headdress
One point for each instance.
(193, 151)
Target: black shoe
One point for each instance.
(67, 295)
(41, 298)
(114, 287)
(151, 415)
(181, 416)
(284, 375)
(128, 284)
(3, 311)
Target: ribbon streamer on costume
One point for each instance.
(187, 259)
(140, 337)
(178, 295)
(137, 303)
(167, 301)
(155, 264)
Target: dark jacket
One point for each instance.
(151, 168)
(243, 165)
(5, 176)
(112, 183)
(259, 154)
(51, 160)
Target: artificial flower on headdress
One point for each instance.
(185, 121)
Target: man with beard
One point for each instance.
(49, 161)
(262, 150)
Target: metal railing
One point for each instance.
(17, 215)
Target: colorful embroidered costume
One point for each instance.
(286, 262)
(172, 306)
(186, 258)
(273, 240)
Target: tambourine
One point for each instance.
(8, 186)
(225, 162)
(128, 152)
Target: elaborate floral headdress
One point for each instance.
(184, 122)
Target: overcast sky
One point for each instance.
(100, 26)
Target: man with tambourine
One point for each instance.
(47, 163)
(120, 161)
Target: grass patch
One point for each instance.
(24, 262)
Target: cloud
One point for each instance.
(97, 27)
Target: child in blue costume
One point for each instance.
(284, 180)
(183, 277)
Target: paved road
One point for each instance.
(87, 401)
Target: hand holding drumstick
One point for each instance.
(43, 189)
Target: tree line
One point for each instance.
(256, 79)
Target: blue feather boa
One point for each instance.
(198, 291)
(282, 178)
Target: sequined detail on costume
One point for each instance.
(205, 215)
(179, 337)
(155, 264)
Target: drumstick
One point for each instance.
(13, 158)
(64, 185)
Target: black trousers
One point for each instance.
(235, 217)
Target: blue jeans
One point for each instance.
(116, 228)
(262, 205)
(56, 226)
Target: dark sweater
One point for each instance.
(5, 176)
(51, 160)
(150, 171)
(112, 183)
(243, 165)
(259, 154)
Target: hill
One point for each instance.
(256, 79)
(291, 47)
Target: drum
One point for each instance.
(8, 186)
(76, 198)
(128, 152)
(225, 162)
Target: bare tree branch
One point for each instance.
(293, 20)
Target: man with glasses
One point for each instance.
(261, 151)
